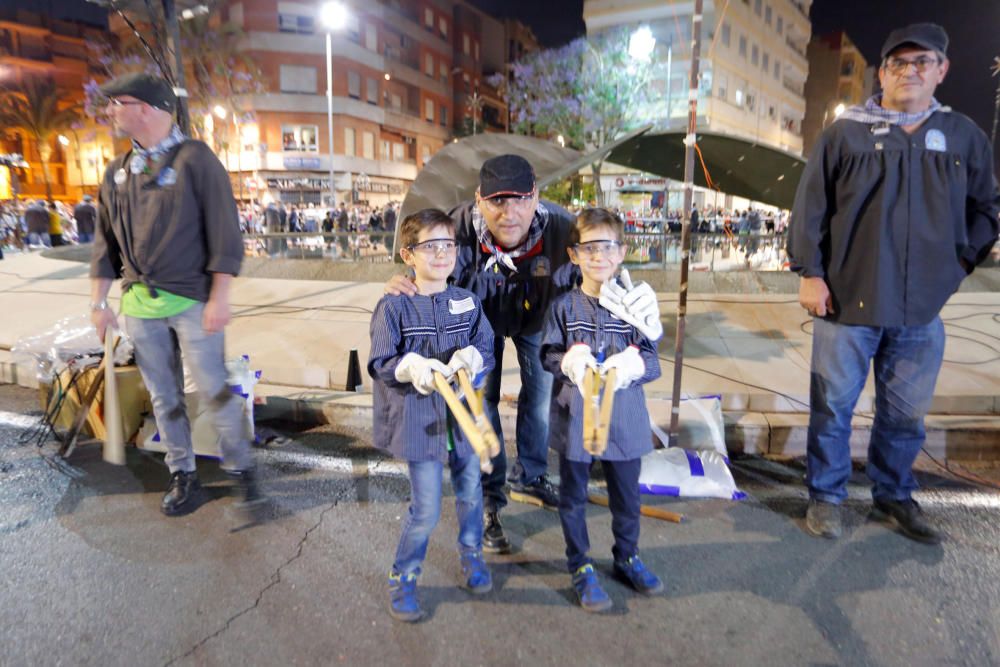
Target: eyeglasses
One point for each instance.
(499, 204)
(594, 248)
(899, 66)
(434, 247)
(123, 103)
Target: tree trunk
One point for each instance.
(595, 168)
(44, 153)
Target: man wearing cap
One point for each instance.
(85, 213)
(898, 203)
(167, 225)
(512, 255)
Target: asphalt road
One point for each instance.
(92, 574)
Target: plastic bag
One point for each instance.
(71, 340)
(699, 468)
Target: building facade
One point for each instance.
(34, 46)
(838, 75)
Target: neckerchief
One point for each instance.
(142, 157)
(873, 112)
(507, 257)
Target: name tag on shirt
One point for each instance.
(461, 306)
(934, 141)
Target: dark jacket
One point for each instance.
(888, 218)
(36, 219)
(85, 215)
(168, 235)
(516, 302)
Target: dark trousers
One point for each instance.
(623, 496)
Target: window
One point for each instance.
(398, 152)
(425, 153)
(777, 69)
(756, 7)
(726, 30)
(354, 85)
(429, 17)
(349, 141)
(299, 138)
(743, 46)
(386, 150)
(739, 97)
(443, 71)
(779, 24)
(466, 82)
(302, 25)
(772, 112)
(397, 101)
(371, 38)
(298, 79)
(767, 15)
(723, 81)
(765, 63)
(443, 26)
(754, 56)
(368, 139)
(466, 44)
(705, 83)
(429, 110)
(429, 65)
(372, 90)
(443, 119)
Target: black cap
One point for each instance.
(928, 35)
(506, 176)
(152, 90)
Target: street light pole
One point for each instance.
(333, 15)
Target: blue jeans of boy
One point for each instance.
(623, 499)
(532, 418)
(906, 362)
(425, 510)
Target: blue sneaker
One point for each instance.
(403, 603)
(635, 573)
(588, 590)
(477, 576)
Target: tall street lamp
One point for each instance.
(333, 15)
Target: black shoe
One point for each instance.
(181, 493)
(248, 488)
(540, 493)
(494, 541)
(823, 519)
(907, 516)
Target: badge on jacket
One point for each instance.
(120, 177)
(541, 267)
(934, 140)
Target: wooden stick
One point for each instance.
(591, 387)
(476, 405)
(604, 415)
(114, 440)
(87, 400)
(465, 421)
(645, 510)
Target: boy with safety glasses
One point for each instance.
(581, 334)
(439, 330)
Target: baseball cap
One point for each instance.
(152, 90)
(88, 198)
(928, 35)
(506, 176)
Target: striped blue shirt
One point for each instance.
(577, 318)
(411, 426)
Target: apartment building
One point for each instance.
(36, 46)
(838, 75)
(753, 63)
(402, 72)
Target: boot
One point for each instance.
(494, 540)
(181, 493)
(248, 488)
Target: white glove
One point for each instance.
(628, 365)
(468, 358)
(636, 304)
(419, 371)
(576, 361)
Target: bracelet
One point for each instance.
(100, 305)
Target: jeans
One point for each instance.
(532, 432)
(425, 510)
(906, 363)
(158, 345)
(40, 238)
(85, 237)
(623, 499)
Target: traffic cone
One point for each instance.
(354, 382)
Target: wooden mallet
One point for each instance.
(465, 422)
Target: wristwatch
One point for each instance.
(100, 305)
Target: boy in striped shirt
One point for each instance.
(440, 329)
(580, 334)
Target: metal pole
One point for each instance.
(183, 119)
(689, 142)
(329, 110)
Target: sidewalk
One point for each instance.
(752, 349)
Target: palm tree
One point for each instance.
(37, 108)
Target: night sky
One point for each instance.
(973, 25)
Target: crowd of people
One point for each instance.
(25, 223)
(276, 217)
